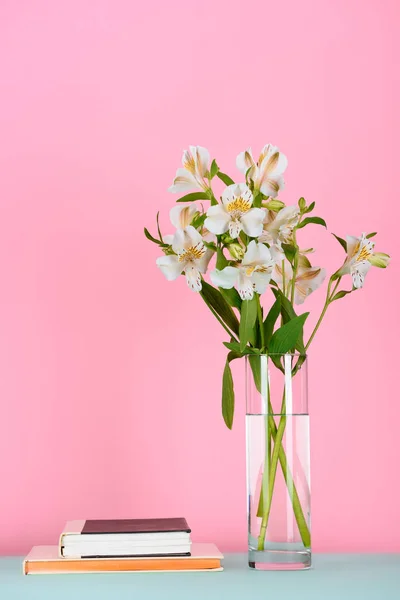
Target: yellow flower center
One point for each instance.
(364, 254)
(250, 271)
(192, 253)
(237, 207)
(259, 268)
(190, 164)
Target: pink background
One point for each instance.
(110, 376)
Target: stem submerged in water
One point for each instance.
(279, 454)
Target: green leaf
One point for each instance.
(341, 294)
(235, 347)
(198, 221)
(341, 241)
(228, 395)
(255, 364)
(210, 245)
(288, 313)
(247, 320)
(290, 252)
(270, 320)
(221, 259)
(310, 208)
(371, 235)
(213, 169)
(214, 298)
(153, 239)
(194, 196)
(285, 338)
(225, 178)
(257, 199)
(308, 220)
(232, 297)
(260, 508)
(213, 199)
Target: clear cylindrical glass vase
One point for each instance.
(278, 462)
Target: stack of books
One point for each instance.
(124, 545)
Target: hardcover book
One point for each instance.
(46, 560)
(125, 537)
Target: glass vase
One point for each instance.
(278, 462)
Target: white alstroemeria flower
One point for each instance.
(252, 274)
(360, 258)
(278, 227)
(192, 175)
(191, 257)
(308, 279)
(267, 172)
(235, 213)
(283, 271)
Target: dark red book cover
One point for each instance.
(136, 525)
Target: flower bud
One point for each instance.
(302, 204)
(275, 205)
(236, 251)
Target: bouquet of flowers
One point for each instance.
(253, 236)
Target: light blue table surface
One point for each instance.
(333, 576)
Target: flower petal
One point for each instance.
(193, 278)
(186, 238)
(353, 244)
(245, 160)
(270, 186)
(168, 239)
(237, 190)
(289, 215)
(257, 254)
(282, 267)
(272, 161)
(252, 221)
(226, 278)
(245, 287)
(261, 281)
(251, 254)
(358, 273)
(170, 266)
(217, 220)
(202, 159)
(181, 216)
(202, 263)
(235, 227)
(183, 182)
(307, 281)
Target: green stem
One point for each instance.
(260, 322)
(279, 454)
(271, 481)
(283, 278)
(298, 511)
(295, 266)
(270, 472)
(329, 296)
(267, 458)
